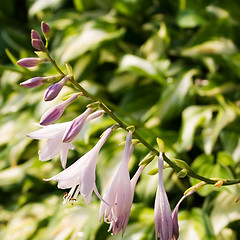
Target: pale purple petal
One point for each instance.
(50, 149)
(119, 194)
(162, 210)
(50, 131)
(64, 152)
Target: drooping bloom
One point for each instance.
(175, 231)
(31, 62)
(54, 134)
(119, 195)
(53, 90)
(162, 210)
(80, 176)
(54, 113)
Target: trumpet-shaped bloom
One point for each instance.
(119, 195)
(162, 210)
(54, 113)
(54, 133)
(80, 176)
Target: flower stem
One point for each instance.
(108, 111)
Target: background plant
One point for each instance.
(170, 68)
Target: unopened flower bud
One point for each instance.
(30, 62)
(54, 113)
(33, 82)
(94, 115)
(37, 42)
(35, 35)
(76, 126)
(45, 30)
(54, 89)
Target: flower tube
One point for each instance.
(162, 210)
(119, 195)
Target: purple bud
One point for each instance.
(35, 35)
(76, 126)
(45, 30)
(33, 82)
(38, 44)
(54, 113)
(30, 62)
(54, 89)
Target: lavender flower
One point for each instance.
(54, 145)
(54, 113)
(119, 195)
(30, 62)
(55, 89)
(80, 176)
(175, 232)
(162, 210)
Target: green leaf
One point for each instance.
(194, 224)
(204, 165)
(173, 98)
(190, 19)
(192, 118)
(219, 46)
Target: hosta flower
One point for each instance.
(80, 176)
(162, 210)
(175, 232)
(54, 113)
(54, 134)
(119, 195)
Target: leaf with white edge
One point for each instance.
(218, 46)
(173, 98)
(224, 211)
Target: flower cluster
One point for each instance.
(80, 176)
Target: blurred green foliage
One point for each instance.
(171, 68)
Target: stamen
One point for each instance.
(72, 195)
